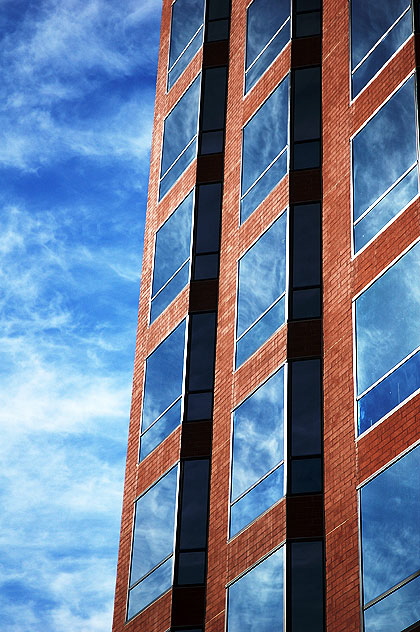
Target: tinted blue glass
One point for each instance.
(150, 589)
(160, 430)
(258, 597)
(380, 55)
(178, 168)
(179, 130)
(396, 612)
(154, 526)
(387, 320)
(187, 18)
(370, 21)
(393, 390)
(173, 244)
(390, 518)
(266, 259)
(384, 149)
(307, 586)
(394, 201)
(260, 65)
(180, 65)
(306, 475)
(260, 332)
(258, 434)
(164, 374)
(265, 136)
(257, 500)
(263, 186)
(170, 291)
(264, 18)
(191, 567)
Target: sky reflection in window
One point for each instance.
(258, 442)
(265, 139)
(186, 35)
(387, 333)
(257, 596)
(266, 259)
(378, 29)
(172, 256)
(164, 379)
(180, 137)
(385, 176)
(268, 31)
(153, 541)
(390, 518)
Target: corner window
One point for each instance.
(171, 270)
(390, 541)
(267, 33)
(378, 29)
(153, 543)
(385, 173)
(388, 340)
(258, 596)
(187, 28)
(264, 157)
(261, 305)
(180, 137)
(258, 453)
(163, 391)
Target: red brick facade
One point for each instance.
(348, 460)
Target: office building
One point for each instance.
(273, 470)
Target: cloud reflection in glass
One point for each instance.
(187, 26)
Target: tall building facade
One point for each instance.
(273, 469)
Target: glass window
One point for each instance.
(378, 29)
(258, 453)
(218, 12)
(207, 231)
(390, 538)
(192, 532)
(186, 35)
(306, 117)
(202, 351)
(172, 257)
(163, 391)
(385, 177)
(261, 306)
(213, 110)
(268, 31)
(305, 274)
(180, 137)
(258, 596)
(153, 543)
(388, 340)
(307, 586)
(264, 158)
(307, 18)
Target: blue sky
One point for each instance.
(76, 109)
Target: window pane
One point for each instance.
(194, 504)
(390, 518)
(264, 19)
(266, 259)
(396, 612)
(164, 373)
(308, 24)
(208, 218)
(258, 434)
(150, 589)
(154, 526)
(173, 245)
(258, 596)
(214, 102)
(202, 351)
(206, 267)
(383, 151)
(191, 568)
(266, 57)
(306, 256)
(307, 586)
(179, 130)
(306, 476)
(260, 332)
(160, 430)
(387, 320)
(306, 303)
(187, 17)
(218, 30)
(264, 138)
(307, 103)
(257, 500)
(199, 406)
(305, 414)
(218, 9)
(369, 21)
